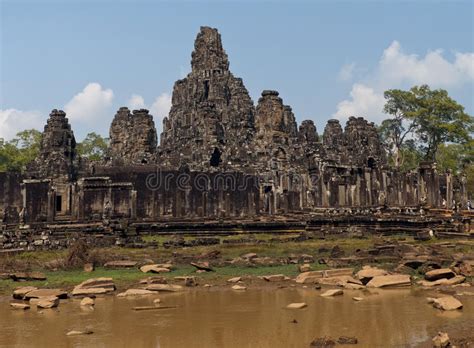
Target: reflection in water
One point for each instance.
(217, 318)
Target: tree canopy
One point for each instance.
(423, 123)
(18, 152)
(93, 147)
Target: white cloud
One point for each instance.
(13, 121)
(90, 105)
(136, 102)
(159, 108)
(397, 69)
(364, 101)
(347, 71)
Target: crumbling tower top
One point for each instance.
(209, 56)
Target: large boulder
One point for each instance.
(439, 274)
(447, 303)
(393, 280)
(367, 273)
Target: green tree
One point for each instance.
(428, 117)
(440, 119)
(93, 147)
(400, 104)
(18, 152)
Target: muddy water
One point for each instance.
(225, 318)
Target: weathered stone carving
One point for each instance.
(133, 138)
(212, 115)
(58, 156)
(220, 157)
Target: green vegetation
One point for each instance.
(18, 152)
(93, 147)
(424, 124)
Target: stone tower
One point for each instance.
(211, 121)
(277, 134)
(133, 138)
(57, 157)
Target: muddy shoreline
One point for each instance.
(434, 269)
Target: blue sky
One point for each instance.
(326, 58)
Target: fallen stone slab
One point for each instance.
(351, 286)
(154, 280)
(274, 278)
(27, 276)
(393, 280)
(164, 287)
(19, 305)
(102, 282)
(204, 266)
(332, 292)
(367, 273)
(298, 305)
(439, 274)
(239, 287)
(453, 281)
(136, 292)
(77, 332)
(234, 280)
(47, 302)
(46, 293)
(90, 291)
(154, 269)
(121, 264)
(358, 299)
(447, 303)
(313, 277)
(19, 293)
(339, 280)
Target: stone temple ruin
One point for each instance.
(222, 164)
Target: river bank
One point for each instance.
(308, 267)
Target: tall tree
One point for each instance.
(400, 104)
(429, 117)
(94, 147)
(18, 152)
